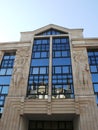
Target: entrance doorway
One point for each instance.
(50, 125)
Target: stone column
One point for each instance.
(50, 72)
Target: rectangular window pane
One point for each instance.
(9, 71)
(35, 70)
(37, 55)
(5, 90)
(2, 71)
(43, 70)
(5, 80)
(57, 70)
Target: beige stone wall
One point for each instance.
(19, 80)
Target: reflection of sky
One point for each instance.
(39, 62)
(5, 80)
(61, 61)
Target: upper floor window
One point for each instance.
(38, 76)
(6, 68)
(93, 62)
(62, 81)
(52, 32)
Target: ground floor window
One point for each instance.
(50, 125)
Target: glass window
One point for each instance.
(93, 68)
(37, 54)
(5, 90)
(9, 71)
(64, 53)
(96, 88)
(43, 70)
(38, 41)
(5, 76)
(57, 54)
(2, 71)
(40, 62)
(57, 40)
(43, 54)
(95, 77)
(57, 70)
(65, 69)
(63, 40)
(35, 70)
(5, 79)
(61, 61)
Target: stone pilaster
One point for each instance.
(20, 72)
(81, 72)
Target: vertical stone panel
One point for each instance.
(81, 72)
(1, 56)
(20, 72)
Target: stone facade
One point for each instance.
(19, 109)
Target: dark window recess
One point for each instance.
(6, 68)
(62, 80)
(93, 62)
(52, 32)
(50, 125)
(38, 75)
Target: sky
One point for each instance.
(27, 15)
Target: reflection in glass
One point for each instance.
(5, 76)
(38, 77)
(62, 82)
(93, 62)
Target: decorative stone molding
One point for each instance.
(82, 78)
(20, 68)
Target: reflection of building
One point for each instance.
(45, 81)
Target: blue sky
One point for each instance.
(26, 15)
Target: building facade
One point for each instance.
(49, 81)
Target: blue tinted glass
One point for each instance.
(38, 41)
(64, 53)
(65, 69)
(57, 69)
(1, 109)
(57, 40)
(37, 54)
(5, 90)
(35, 70)
(6, 57)
(12, 57)
(43, 54)
(5, 80)
(97, 98)
(93, 68)
(1, 102)
(40, 62)
(48, 32)
(61, 61)
(96, 53)
(57, 54)
(9, 71)
(43, 70)
(90, 53)
(95, 77)
(63, 40)
(44, 41)
(96, 87)
(2, 71)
